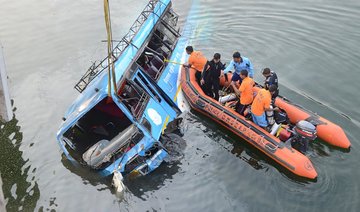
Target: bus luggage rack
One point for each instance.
(97, 67)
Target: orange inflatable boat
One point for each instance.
(284, 154)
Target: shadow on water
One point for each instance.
(87, 175)
(243, 150)
(20, 192)
(322, 149)
(137, 186)
(154, 181)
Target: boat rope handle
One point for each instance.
(174, 62)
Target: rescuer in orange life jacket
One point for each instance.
(245, 92)
(196, 61)
(261, 104)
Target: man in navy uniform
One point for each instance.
(271, 79)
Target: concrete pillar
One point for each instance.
(2, 200)
(6, 113)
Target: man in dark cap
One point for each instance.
(271, 79)
(211, 77)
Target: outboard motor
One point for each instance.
(304, 132)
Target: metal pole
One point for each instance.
(2, 200)
(5, 105)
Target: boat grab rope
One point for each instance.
(111, 66)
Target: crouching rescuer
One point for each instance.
(245, 92)
(261, 104)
